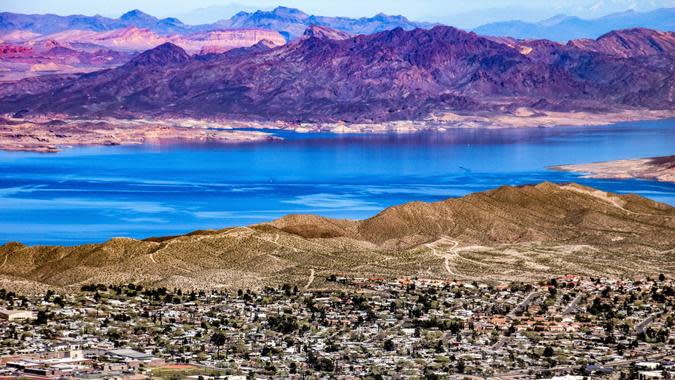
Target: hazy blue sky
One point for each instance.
(458, 12)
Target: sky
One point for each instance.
(461, 13)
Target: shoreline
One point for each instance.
(661, 169)
(52, 133)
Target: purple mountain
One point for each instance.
(390, 75)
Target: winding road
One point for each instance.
(451, 251)
(4, 261)
(311, 279)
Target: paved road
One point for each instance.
(523, 305)
(642, 326)
(572, 307)
(522, 373)
(502, 341)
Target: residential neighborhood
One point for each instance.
(564, 328)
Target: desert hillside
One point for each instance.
(511, 233)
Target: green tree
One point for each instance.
(461, 367)
(218, 340)
(548, 351)
(42, 318)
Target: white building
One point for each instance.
(15, 315)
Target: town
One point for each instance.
(564, 328)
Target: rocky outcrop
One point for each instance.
(323, 32)
(630, 43)
(163, 55)
(221, 41)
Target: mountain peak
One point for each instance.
(136, 14)
(171, 21)
(555, 20)
(323, 32)
(164, 54)
(386, 17)
(630, 43)
(281, 10)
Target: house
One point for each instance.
(648, 365)
(648, 375)
(126, 354)
(15, 315)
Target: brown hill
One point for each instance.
(511, 233)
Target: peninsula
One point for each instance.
(50, 135)
(657, 168)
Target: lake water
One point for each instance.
(94, 193)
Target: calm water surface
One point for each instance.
(94, 193)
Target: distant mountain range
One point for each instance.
(18, 61)
(133, 39)
(564, 28)
(288, 21)
(27, 54)
(293, 22)
(391, 75)
(49, 23)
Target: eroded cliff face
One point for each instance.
(223, 40)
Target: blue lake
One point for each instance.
(94, 193)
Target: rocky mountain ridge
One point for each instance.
(133, 39)
(391, 75)
(288, 21)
